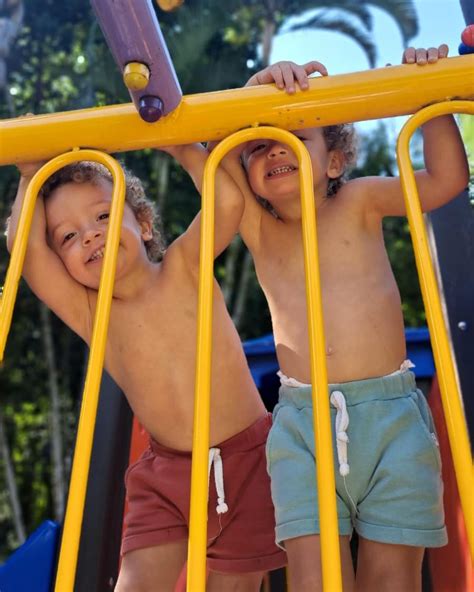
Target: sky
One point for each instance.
(440, 21)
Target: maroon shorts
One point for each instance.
(240, 540)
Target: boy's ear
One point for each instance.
(146, 230)
(336, 164)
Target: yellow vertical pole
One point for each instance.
(80, 469)
(450, 396)
(78, 484)
(330, 558)
(197, 544)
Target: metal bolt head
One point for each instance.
(150, 108)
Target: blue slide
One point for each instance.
(31, 568)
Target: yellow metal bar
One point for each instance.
(80, 469)
(358, 96)
(451, 399)
(77, 489)
(331, 567)
(197, 543)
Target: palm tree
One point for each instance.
(350, 17)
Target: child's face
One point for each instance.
(272, 167)
(77, 216)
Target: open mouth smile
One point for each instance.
(96, 255)
(281, 170)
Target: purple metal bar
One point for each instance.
(133, 34)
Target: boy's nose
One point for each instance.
(90, 235)
(277, 149)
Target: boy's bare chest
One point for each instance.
(341, 247)
(144, 336)
(352, 261)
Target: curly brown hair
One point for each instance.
(341, 137)
(86, 171)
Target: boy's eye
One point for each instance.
(68, 237)
(103, 216)
(257, 147)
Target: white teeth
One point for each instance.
(280, 170)
(97, 254)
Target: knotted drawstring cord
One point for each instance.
(216, 459)
(342, 439)
(342, 423)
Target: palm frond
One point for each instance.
(341, 24)
(404, 14)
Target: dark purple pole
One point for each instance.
(133, 34)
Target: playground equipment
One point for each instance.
(359, 96)
(135, 40)
(467, 40)
(353, 97)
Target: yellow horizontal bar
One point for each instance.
(330, 558)
(450, 396)
(359, 96)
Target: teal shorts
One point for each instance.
(393, 492)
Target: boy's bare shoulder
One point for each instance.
(176, 265)
(363, 192)
(360, 186)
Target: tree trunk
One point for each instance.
(269, 28)
(163, 176)
(228, 284)
(59, 489)
(11, 484)
(9, 27)
(246, 274)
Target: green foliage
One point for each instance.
(60, 62)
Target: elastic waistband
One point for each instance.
(359, 391)
(251, 437)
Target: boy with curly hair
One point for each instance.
(150, 353)
(386, 457)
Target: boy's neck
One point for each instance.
(137, 283)
(292, 212)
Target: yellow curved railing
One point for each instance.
(80, 469)
(452, 405)
(450, 396)
(331, 567)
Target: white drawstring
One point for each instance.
(215, 457)
(342, 423)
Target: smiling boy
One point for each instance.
(150, 353)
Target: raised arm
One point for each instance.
(287, 76)
(446, 171)
(43, 269)
(229, 204)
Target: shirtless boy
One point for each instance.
(388, 472)
(151, 355)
